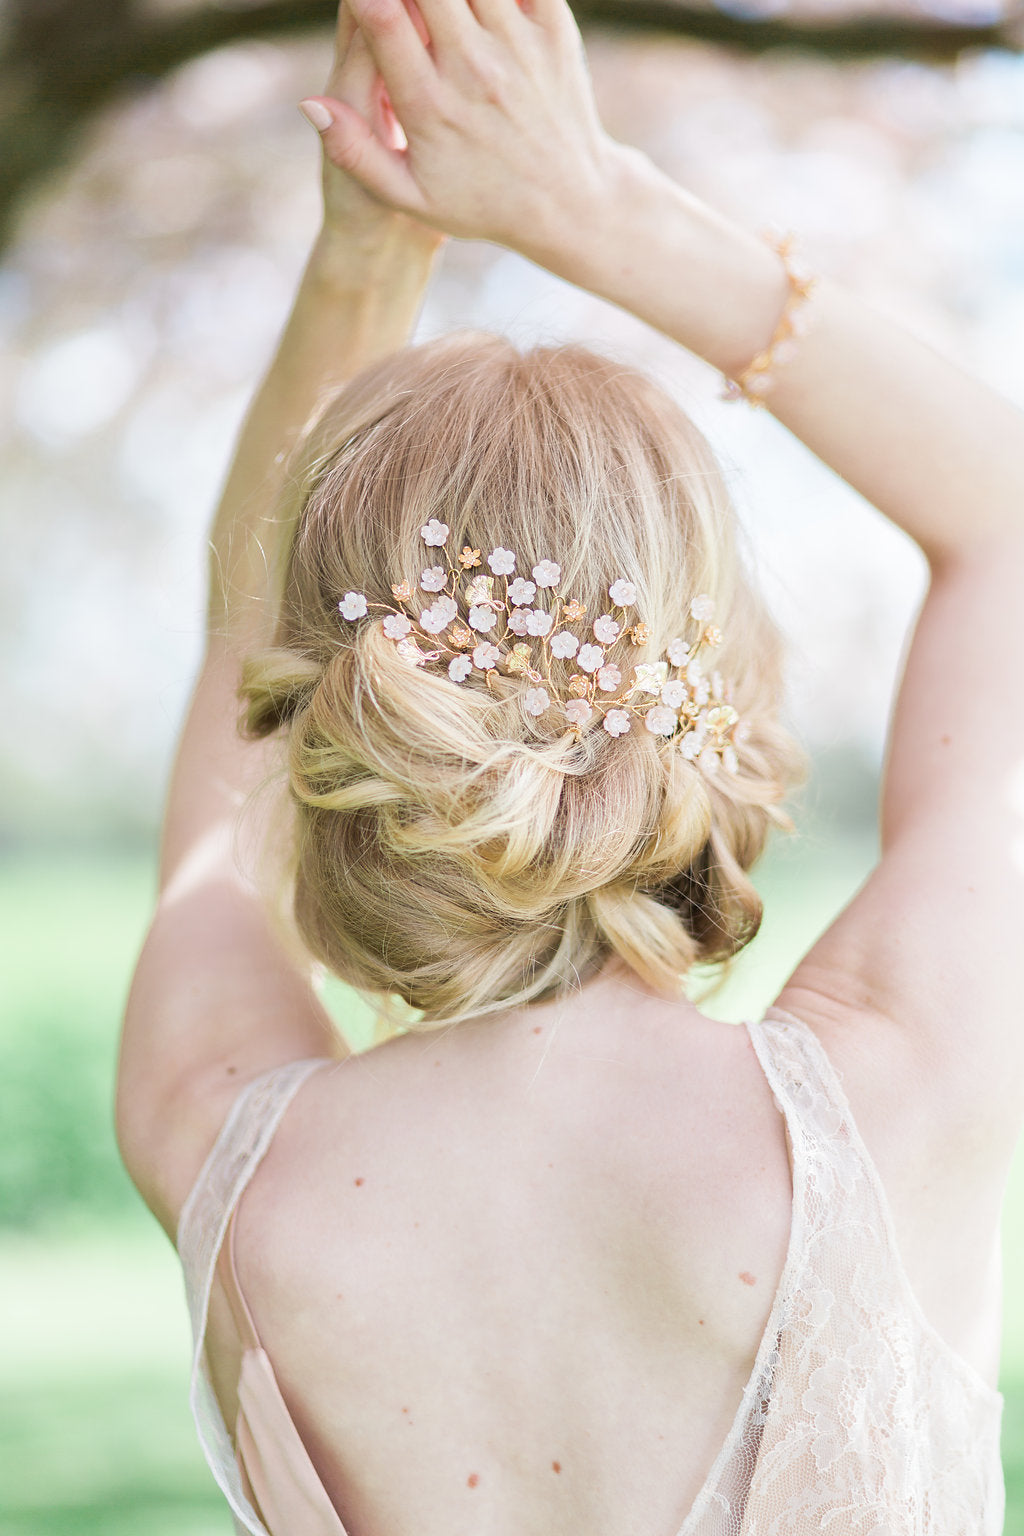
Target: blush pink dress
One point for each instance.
(857, 1419)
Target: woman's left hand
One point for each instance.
(351, 214)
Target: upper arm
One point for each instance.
(219, 995)
(929, 948)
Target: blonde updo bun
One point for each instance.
(452, 849)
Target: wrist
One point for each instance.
(396, 258)
(656, 250)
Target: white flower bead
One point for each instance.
(708, 760)
(397, 626)
(459, 668)
(501, 561)
(536, 700)
(537, 621)
(547, 573)
(674, 694)
(608, 679)
(690, 745)
(486, 656)
(622, 593)
(702, 693)
(616, 722)
(481, 619)
(605, 629)
(678, 652)
(661, 721)
(563, 644)
(434, 533)
(703, 608)
(433, 580)
(448, 606)
(352, 605)
(433, 619)
(578, 711)
(590, 658)
(521, 591)
(518, 621)
(694, 675)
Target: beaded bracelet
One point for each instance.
(754, 383)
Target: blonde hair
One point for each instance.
(450, 848)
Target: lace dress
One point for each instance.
(857, 1419)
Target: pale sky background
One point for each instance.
(148, 284)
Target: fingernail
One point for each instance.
(316, 113)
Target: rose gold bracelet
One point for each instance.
(754, 383)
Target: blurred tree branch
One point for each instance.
(61, 61)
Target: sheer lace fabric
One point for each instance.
(857, 1420)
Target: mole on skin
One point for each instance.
(747, 1277)
(556, 1466)
(358, 1181)
(472, 1479)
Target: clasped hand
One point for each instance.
(484, 124)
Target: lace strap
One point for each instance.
(805, 1084)
(233, 1159)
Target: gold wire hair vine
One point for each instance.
(476, 628)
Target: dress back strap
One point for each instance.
(236, 1154)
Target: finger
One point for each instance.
(448, 22)
(351, 144)
(343, 33)
(355, 80)
(397, 50)
(502, 17)
(554, 16)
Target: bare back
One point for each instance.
(519, 1273)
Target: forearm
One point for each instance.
(937, 451)
(349, 311)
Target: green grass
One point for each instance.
(95, 1436)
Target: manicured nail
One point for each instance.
(316, 113)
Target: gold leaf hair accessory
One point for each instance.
(478, 616)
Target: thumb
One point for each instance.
(351, 144)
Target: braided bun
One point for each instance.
(451, 848)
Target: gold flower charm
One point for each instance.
(721, 719)
(460, 637)
(573, 610)
(579, 686)
(469, 557)
(639, 634)
(402, 591)
(518, 660)
(713, 635)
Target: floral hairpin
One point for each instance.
(514, 635)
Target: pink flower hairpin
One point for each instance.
(473, 627)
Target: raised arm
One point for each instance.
(215, 998)
(504, 144)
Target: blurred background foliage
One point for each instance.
(158, 193)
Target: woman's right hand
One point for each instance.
(503, 138)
